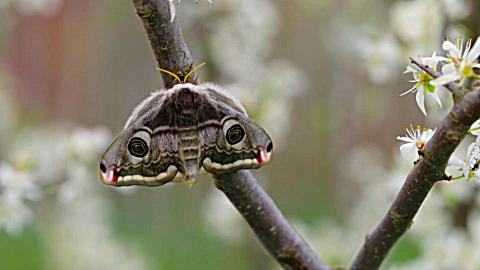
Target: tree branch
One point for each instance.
(166, 40)
(266, 220)
(419, 182)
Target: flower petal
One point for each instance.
(476, 176)
(433, 60)
(421, 101)
(435, 97)
(430, 134)
(456, 162)
(473, 155)
(449, 69)
(409, 91)
(405, 139)
(409, 151)
(445, 79)
(410, 69)
(451, 48)
(475, 129)
(172, 10)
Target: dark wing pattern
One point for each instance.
(151, 121)
(173, 134)
(222, 153)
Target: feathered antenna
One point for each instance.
(177, 77)
(192, 71)
(170, 73)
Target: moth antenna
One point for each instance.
(169, 73)
(192, 71)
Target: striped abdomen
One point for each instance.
(189, 150)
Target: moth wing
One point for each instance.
(151, 121)
(218, 112)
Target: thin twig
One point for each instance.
(268, 223)
(431, 72)
(419, 182)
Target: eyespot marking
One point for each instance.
(235, 134)
(138, 147)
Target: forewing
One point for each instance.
(150, 121)
(217, 114)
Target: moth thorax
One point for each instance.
(185, 102)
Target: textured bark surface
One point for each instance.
(266, 220)
(166, 39)
(419, 182)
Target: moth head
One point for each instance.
(242, 134)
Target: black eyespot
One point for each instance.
(137, 147)
(235, 134)
(103, 167)
(269, 147)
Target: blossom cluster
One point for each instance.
(458, 167)
(413, 27)
(42, 158)
(48, 177)
(458, 65)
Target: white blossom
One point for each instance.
(15, 187)
(422, 80)
(469, 168)
(416, 140)
(460, 62)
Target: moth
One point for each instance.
(174, 134)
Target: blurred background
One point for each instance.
(322, 76)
